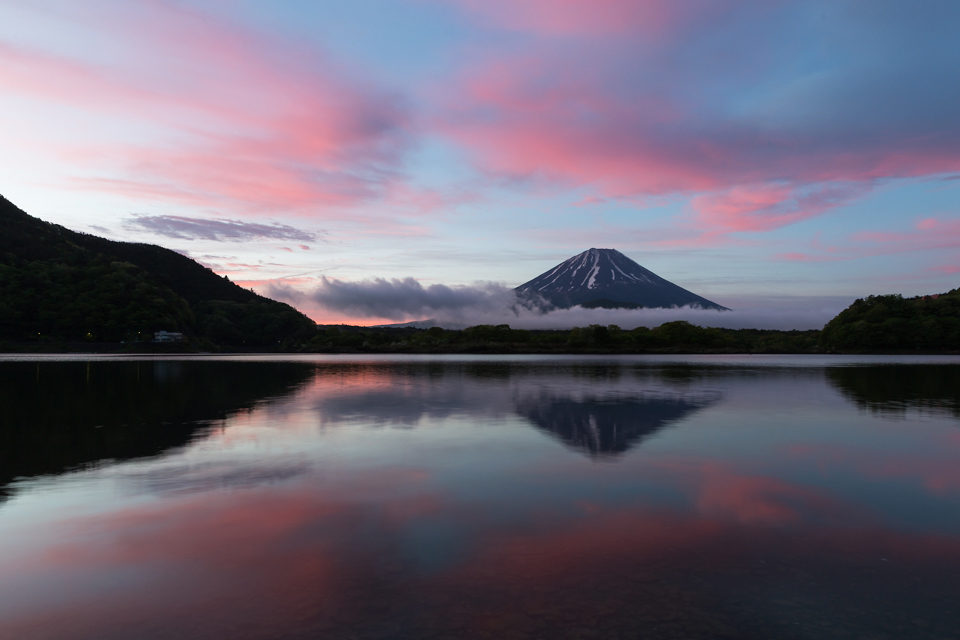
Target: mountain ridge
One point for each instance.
(609, 279)
(61, 284)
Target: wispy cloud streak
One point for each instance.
(716, 100)
(221, 230)
(218, 115)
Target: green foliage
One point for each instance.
(895, 323)
(85, 296)
(257, 323)
(57, 284)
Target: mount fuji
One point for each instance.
(607, 278)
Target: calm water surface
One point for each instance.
(484, 497)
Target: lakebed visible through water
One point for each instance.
(531, 497)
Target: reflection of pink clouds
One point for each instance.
(761, 499)
(288, 557)
(604, 542)
(266, 130)
(193, 563)
(355, 380)
(938, 474)
(563, 546)
(222, 534)
(201, 566)
(938, 477)
(722, 493)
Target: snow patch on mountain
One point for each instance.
(608, 278)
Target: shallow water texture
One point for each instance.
(485, 497)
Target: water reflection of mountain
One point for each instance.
(893, 389)
(56, 416)
(607, 427)
(600, 408)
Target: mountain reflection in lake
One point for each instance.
(479, 498)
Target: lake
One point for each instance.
(517, 497)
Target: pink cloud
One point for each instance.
(599, 17)
(930, 233)
(765, 207)
(226, 117)
(807, 257)
(705, 112)
(549, 118)
(948, 269)
(590, 200)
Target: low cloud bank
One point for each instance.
(455, 307)
(402, 299)
(221, 230)
(772, 318)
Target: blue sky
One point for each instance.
(775, 154)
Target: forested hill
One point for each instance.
(60, 284)
(892, 322)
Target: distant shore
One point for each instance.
(890, 324)
(490, 349)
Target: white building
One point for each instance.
(167, 336)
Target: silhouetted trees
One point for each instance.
(671, 337)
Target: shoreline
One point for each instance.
(476, 350)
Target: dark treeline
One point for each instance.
(878, 324)
(671, 337)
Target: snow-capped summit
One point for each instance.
(607, 278)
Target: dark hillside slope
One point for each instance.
(191, 280)
(58, 283)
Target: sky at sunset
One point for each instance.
(783, 157)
